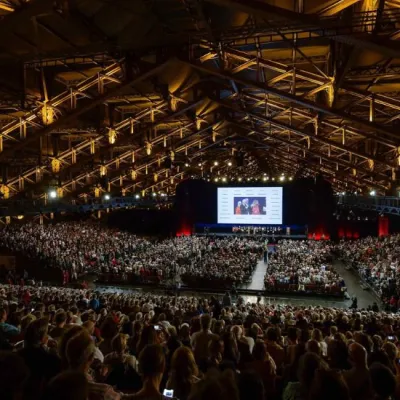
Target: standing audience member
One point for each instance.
(184, 373)
(200, 340)
(358, 378)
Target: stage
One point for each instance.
(266, 236)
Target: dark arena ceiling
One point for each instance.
(126, 96)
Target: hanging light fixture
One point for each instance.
(148, 148)
(47, 114)
(112, 136)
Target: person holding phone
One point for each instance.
(151, 369)
(184, 373)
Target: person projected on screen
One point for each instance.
(245, 209)
(255, 208)
(238, 209)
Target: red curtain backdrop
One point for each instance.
(383, 226)
(348, 230)
(319, 233)
(185, 229)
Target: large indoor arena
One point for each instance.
(199, 199)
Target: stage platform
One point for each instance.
(219, 234)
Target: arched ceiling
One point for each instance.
(136, 95)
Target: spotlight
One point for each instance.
(53, 194)
(199, 164)
(343, 193)
(186, 164)
(229, 164)
(264, 178)
(107, 197)
(216, 180)
(215, 163)
(240, 179)
(372, 193)
(290, 179)
(248, 179)
(20, 217)
(137, 196)
(154, 194)
(282, 178)
(273, 179)
(223, 179)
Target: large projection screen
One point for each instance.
(250, 205)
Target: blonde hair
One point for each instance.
(119, 343)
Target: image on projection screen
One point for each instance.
(250, 205)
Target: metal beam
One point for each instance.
(332, 8)
(265, 11)
(394, 138)
(79, 111)
(82, 150)
(304, 159)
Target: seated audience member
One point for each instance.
(263, 366)
(7, 329)
(80, 355)
(69, 385)
(148, 336)
(309, 364)
(231, 351)
(13, 376)
(215, 354)
(242, 344)
(216, 386)
(250, 386)
(183, 374)
(42, 364)
(338, 355)
(122, 366)
(108, 330)
(313, 346)
(274, 349)
(60, 320)
(290, 372)
(329, 385)
(317, 335)
(383, 382)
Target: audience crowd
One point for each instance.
(59, 343)
(303, 265)
(78, 248)
(377, 261)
